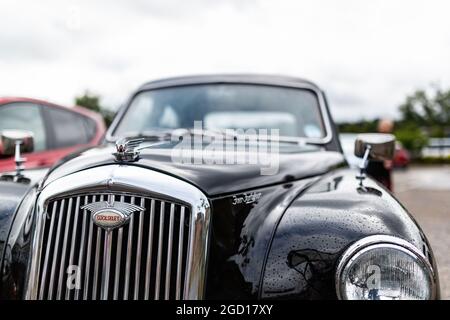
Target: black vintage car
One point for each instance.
(172, 206)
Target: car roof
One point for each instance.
(4, 100)
(267, 79)
(81, 110)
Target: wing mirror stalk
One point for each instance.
(13, 143)
(373, 146)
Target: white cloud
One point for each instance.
(366, 55)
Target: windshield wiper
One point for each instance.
(167, 134)
(150, 135)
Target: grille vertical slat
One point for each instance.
(97, 259)
(72, 243)
(47, 251)
(118, 259)
(129, 251)
(106, 259)
(88, 259)
(55, 252)
(83, 241)
(144, 259)
(106, 265)
(138, 251)
(149, 250)
(64, 247)
(191, 237)
(180, 254)
(159, 258)
(96, 263)
(169, 254)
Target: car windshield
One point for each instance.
(295, 112)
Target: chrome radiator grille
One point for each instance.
(148, 258)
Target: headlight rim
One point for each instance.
(380, 241)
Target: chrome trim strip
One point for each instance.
(129, 179)
(380, 240)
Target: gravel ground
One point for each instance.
(425, 191)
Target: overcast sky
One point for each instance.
(367, 55)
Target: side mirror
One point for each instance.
(12, 141)
(381, 146)
(376, 146)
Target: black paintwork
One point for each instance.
(295, 234)
(284, 245)
(10, 196)
(320, 224)
(309, 162)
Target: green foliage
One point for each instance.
(362, 126)
(431, 112)
(89, 100)
(92, 102)
(412, 138)
(437, 132)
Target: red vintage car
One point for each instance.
(57, 130)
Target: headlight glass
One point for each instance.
(385, 272)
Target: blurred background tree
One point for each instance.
(359, 126)
(412, 138)
(423, 114)
(432, 113)
(92, 102)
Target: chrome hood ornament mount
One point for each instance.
(127, 149)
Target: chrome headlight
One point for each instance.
(384, 268)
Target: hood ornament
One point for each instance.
(110, 214)
(127, 149)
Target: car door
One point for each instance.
(25, 116)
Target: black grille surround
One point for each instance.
(147, 258)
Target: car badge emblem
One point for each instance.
(127, 149)
(110, 215)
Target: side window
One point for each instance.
(91, 127)
(24, 116)
(68, 128)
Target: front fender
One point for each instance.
(11, 194)
(321, 223)
(16, 232)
